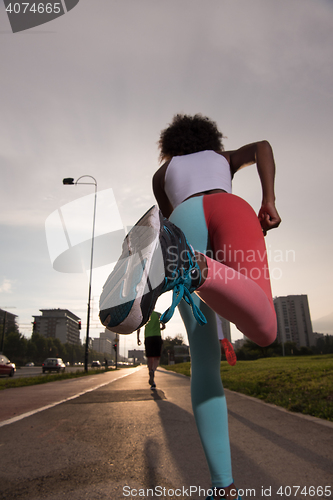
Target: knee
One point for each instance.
(268, 334)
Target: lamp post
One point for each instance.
(70, 181)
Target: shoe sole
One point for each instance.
(130, 293)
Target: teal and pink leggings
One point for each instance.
(226, 229)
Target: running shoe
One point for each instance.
(229, 352)
(156, 258)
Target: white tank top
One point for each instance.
(195, 173)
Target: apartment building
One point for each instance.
(58, 324)
(7, 320)
(294, 320)
(104, 343)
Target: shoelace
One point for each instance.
(180, 291)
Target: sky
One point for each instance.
(88, 94)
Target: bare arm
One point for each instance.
(138, 337)
(260, 153)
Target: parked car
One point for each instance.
(53, 365)
(6, 367)
(96, 364)
(30, 364)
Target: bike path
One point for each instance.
(123, 440)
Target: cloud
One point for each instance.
(7, 286)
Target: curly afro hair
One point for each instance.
(189, 134)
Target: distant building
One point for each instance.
(238, 344)
(104, 344)
(136, 355)
(181, 353)
(294, 321)
(58, 324)
(318, 336)
(8, 320)
(7, 323)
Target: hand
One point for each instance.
(268, 217)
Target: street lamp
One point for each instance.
(70, 181)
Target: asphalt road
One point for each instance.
(110, 437)
(33, 371)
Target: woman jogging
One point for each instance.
(212, 243)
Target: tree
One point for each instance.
(31, 353)
(15, 347)
(42, 349)
(250, 350)
(324, 345)
(8, 325)
(168, 348)
(290, 349)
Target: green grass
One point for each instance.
(9, 383)
(302, 384)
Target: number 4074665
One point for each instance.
(35, 8)
(311, 491)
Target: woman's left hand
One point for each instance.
(268, 217)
